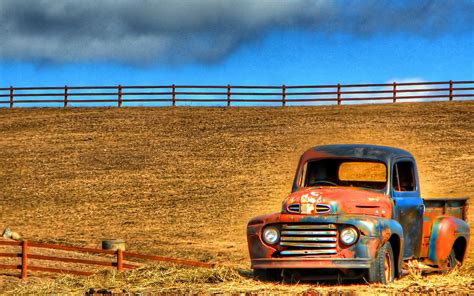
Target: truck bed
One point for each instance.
(435, 207)
(453, 206)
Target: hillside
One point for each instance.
(184, 182)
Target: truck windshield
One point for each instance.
(340, 172)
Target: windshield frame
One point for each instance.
(301, 174)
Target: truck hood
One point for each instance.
(336, 201)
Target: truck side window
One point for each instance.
(403, 176)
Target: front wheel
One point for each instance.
(382, 269)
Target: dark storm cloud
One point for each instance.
(180, 31)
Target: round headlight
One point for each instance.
(348, 236)
(271, 235)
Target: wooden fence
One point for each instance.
(235, 95)
(115, 258)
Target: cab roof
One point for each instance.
(358, 151)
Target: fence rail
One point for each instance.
(234, 95)
(117, 261)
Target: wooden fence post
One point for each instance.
(119, 260)
(394, 92)
(65, 96)
(338, 94)
(11, 97)
(228, 96)
(119, 99)
(283, 95)
(450, 90)
(173, 95)
(24, 260)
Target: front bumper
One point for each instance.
(305, 262)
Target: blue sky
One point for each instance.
(276, 54)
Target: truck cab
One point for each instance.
(356, 211)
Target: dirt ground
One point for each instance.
(184, 182)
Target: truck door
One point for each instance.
(408, 205)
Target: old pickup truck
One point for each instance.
(355, 211)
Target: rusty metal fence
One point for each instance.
(233, 95)
(115, 259)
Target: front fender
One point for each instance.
(444, 232)
(257, 249)
(385, 230)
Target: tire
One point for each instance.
(451, 263)
(267, 275)
(382, 269)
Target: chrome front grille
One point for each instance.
(303, 239)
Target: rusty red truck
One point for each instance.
(356, 211)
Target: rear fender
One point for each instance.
(445, 231)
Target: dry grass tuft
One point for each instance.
(169, 278)
(458, 282)
(155, 277)
(414, 272)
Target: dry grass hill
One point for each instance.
(184, 182)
